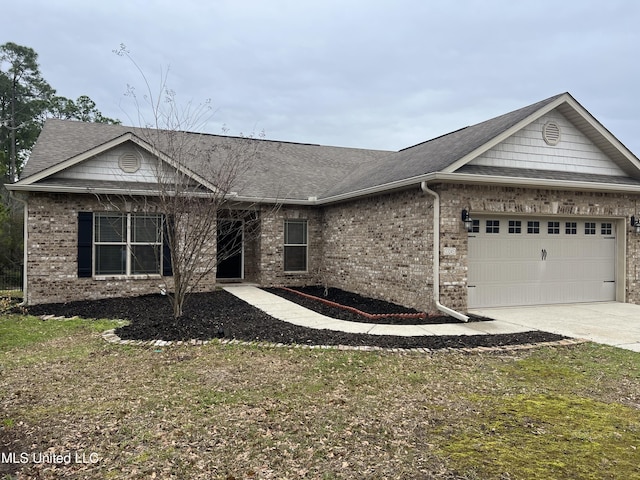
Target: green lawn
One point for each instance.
(237, 412)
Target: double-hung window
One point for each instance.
(295, 245)
(127, 244)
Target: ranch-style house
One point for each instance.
(535, 206)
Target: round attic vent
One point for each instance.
(551, 133)
(129, 162)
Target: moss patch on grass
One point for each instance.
(549, 436)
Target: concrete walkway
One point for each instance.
(610, 323)
(287, 311)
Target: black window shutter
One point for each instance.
(85, 244)
(167, 269)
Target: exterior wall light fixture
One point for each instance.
(635, 223)
(468, 222)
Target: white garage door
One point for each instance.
(532, 261)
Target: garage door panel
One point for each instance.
(538, 264)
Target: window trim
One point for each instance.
(129, 245)
(305, 222)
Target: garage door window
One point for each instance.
(571, 228)
(533, 227)
(515, 226)
(493, 226)
(553, 228)
(590, 228)
(605, 229)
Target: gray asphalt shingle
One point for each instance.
(294, 171)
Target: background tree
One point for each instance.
(23, 94)
(26, 100)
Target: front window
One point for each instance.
(295, 246)
(128, 244)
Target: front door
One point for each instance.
(230, 249)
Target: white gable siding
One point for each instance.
(527, 149)
(105, 167)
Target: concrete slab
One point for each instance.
(398, 330)
(610, 323)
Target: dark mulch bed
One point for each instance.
(207, 313)
(364, 304)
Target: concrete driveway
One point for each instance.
(610, 323)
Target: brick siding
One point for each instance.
(52, 247)
(380, 246)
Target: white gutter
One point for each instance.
(25, 241)
(436, 256)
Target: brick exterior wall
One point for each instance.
(271, 240)
(380, 246)
(52, 248)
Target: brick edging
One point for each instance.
(111, 337)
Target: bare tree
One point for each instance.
(195, 180)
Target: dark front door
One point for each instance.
(230, 237)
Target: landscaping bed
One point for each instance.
(343, 305)
(210, 315)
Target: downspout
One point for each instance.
(436, 256)
(25, 231)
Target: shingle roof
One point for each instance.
(433, 155)
(280, 169)
(294, 171)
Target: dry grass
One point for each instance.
(231, 412)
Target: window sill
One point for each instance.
(301, 272)
(127, 277)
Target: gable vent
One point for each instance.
(551, 133)
(129, 162)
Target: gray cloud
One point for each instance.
(372, 74)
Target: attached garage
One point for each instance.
(523, 260)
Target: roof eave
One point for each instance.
(483, 180)
(443, 177)
(44, 188)
(470, 178)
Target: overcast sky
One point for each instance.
(357, 73)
